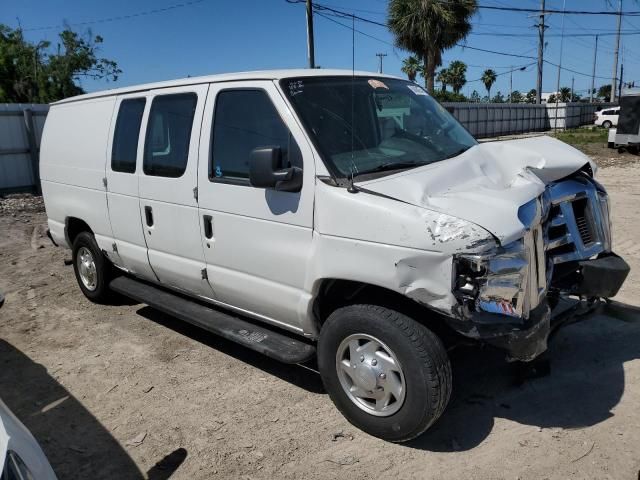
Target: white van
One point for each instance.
(322, 212)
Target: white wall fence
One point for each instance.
(21, 129)
(485, 120)
(20, 132)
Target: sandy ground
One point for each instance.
(111, 391)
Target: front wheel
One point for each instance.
(606, 124)
(93, 271)
(389, 375)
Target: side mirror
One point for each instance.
(265, 171)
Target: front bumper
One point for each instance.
(525, 339)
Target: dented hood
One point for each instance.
(486, 184)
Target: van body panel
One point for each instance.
(261, 238)
(72, 172)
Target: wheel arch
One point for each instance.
(74, 226)
(334, 293)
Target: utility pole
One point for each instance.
(541, 28)
(561, 48)
(621, 73)
(510, 83)
(310, 49)
(573, 79)
(381, 55)
(593, 72)
(615, 55)
(564, 3)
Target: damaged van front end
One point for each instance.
(555, 245)
(507, 292)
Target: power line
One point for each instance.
(567, 12)
(117, 18)
(566, 35)
(327, 12)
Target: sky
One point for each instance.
(214, 36)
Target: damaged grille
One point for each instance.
(578, 224)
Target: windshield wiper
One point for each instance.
(385, 167)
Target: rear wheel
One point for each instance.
(607, 124)
(389, 375)
(93, 271)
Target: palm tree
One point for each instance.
(428, 27)
(489, 78)
(565, 95)
(457, 75)
(411, 66)
(444, 77)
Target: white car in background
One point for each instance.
(21, 458)
(607, 118)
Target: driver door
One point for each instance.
(256, 240)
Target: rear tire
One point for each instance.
(421, 363)
(606, 124)
(93, 271)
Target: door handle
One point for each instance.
(148, 215)
(208, 226)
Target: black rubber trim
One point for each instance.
(268, 342)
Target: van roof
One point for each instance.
(224, 77)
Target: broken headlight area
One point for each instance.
(509, 280)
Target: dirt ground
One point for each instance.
(126, 392)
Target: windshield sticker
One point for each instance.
(377, 84)
(417, 90)
(295, 87)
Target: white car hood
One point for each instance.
(486, 184)
(15, 436)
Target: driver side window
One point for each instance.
(245, 119)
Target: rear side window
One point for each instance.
(125, 137)
(245, 120)
(166, 147)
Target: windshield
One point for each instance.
(365, 125)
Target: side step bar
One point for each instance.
(276, 345)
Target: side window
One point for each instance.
(125, 137)
(245, 120)
(166, 147)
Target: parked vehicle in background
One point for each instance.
(627, 133)
(342, 214)
(21, 458)
(606, 118)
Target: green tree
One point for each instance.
(428, 27)
(411, 67)
(446, 96)
(531, 96)
(489, 78)
(516, 97)
(31, 73)
(604, 92)
(457, 75)
(499, 98)
(475, 97)
(564, 94)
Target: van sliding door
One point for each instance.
(124, 162)
(167, 184)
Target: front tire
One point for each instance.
(93, 271)
(606, 124)
(389, 375)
